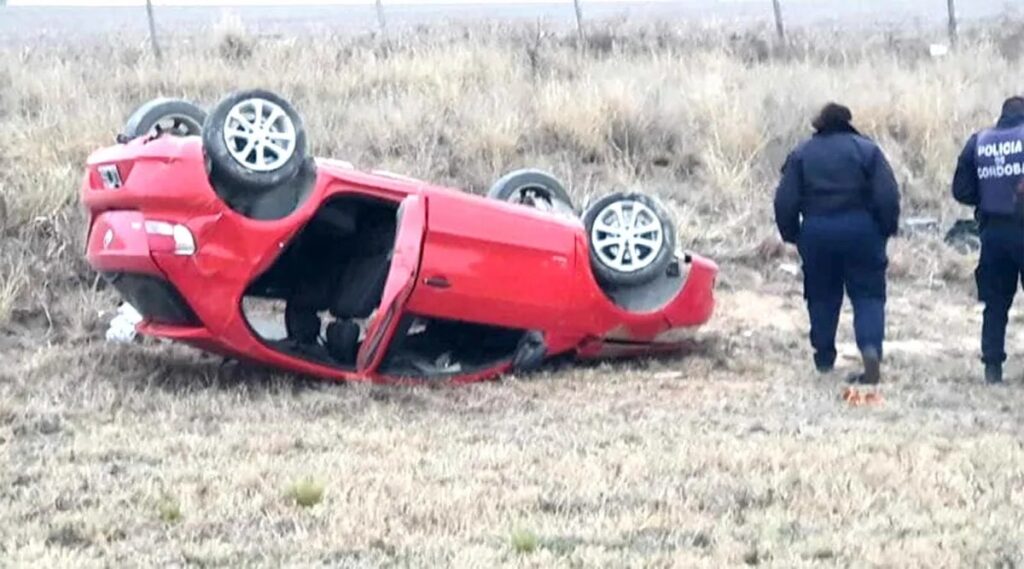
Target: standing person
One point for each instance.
(839, 202)
(990, 176)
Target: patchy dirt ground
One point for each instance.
(736, 453)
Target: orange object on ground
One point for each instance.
(855, 398)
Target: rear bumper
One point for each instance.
(155, 298)
(118, 247)
(117, 243)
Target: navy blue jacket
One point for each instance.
(833, 172)
(967, 188)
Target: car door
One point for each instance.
(401, 279)
(495, 263)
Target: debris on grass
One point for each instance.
(824, 554)
(856, 398)
(668, 375)
(791, 269)
(122, 326)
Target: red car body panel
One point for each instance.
(457, 256)
(506, 264)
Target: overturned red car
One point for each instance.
(224, 234)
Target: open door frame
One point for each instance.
(405, 263)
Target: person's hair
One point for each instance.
(832, 116)
(1014, 105)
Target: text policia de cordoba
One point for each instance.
(1008, 156)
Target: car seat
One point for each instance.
(343, 341)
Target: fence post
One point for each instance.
(152, 30)
(780, 28)
(380, 18)
(579, 23)
(951, 8)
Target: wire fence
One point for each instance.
(22, 24)
(578, 10)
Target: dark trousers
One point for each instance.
(999, 271)
(843, 251)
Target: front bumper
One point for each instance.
(696, 302)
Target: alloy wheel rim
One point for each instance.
(175, 125)
(540, 198)
(259, 135)
(627, 236)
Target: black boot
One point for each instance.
(993, 374)
(872, 368)
(824, 363)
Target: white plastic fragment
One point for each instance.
(122, 326)
(791, 269)
(666, 375)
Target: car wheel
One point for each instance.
(254, 140)
(172, 116)
(631, 237)
(533, 188)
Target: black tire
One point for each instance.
(534, 188)
(174, 116)
(647, 268)
(227, 170)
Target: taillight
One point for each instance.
(165, 237)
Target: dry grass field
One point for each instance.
(733, 454)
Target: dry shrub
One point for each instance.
(13, 280)
(927, 259)
(232, 39)
(1009, 39)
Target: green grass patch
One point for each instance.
(307, 493)
(169, 510)
(524, 541)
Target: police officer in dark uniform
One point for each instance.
(839, 202)
(990, 176)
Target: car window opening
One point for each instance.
(326, 286)
(438, 348)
